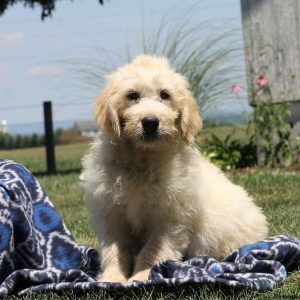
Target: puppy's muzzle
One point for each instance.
(150, 127)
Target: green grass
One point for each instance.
(68, 157)
(276, 192)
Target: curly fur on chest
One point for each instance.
(152, 187)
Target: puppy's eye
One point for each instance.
(164, 95)
(133, 95)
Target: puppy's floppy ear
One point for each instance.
(190, 120)
(106, 112)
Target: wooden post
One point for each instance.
(271, 30)
(49, 138)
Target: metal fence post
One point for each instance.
(49, 138)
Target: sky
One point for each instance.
(41, 60)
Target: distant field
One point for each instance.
(238, 132)
(68, 157)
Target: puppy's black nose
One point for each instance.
(150, 124)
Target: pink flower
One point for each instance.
(236, 88)
(261, 80)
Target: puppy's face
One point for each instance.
(148, 103)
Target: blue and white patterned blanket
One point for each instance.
(38, 253)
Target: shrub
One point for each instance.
(271, 128)
(229, 153)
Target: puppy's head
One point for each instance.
(148, 103)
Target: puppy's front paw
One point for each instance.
(140, 276)
(116, 277)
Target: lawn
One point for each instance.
(67, 157)
(277, 192)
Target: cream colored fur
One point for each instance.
(160, 199)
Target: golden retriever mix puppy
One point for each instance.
(151, 194)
